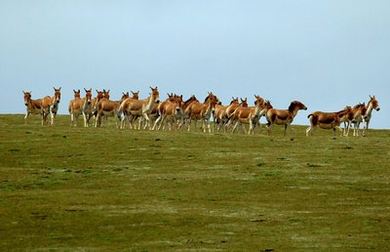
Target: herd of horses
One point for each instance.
(176, 113)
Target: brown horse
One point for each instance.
(169, 110)
(221, 113)
(44, 106)
(139, 108)
(52, 103)
(89, 105)
(124, 116)
(358, 114)
(328, 120)
(32, 106)
(75, 107)
(249, 115)
(230, 113)
(106, 107)
(184, 115)
(202, 111)
(365, 116)
(283, 116)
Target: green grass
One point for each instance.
(64, 188)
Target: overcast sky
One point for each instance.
(327, 54)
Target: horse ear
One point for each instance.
(59, 89)
(97, 91)
(78, 91)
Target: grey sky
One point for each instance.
(327, 54)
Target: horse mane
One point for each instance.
(192, 98)
(234, 100)
(292, 106)
(359, 105)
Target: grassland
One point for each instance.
(105, 189)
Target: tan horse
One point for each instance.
(32, 106)
(283, 116)
(106, 107)
(230, 113)
(221, 114)
(139, 108)
(169, 110)
(89, 105)
(75, 107)
(372, 104)
(53, 103)
(184, 115)
(202, 111)
(358, 114)
(44, 106)
(249, 115)
(126, 117)
(328, 120)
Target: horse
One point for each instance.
(75, 107)
(221, 114)
(372, 104)
(184, 115)
(139, 108)
(123, 114)
(249, 115)
(201, 111)
(89, 104)
(32, 106)
(54, 103)
(106, 107)
(328, 120)
(168, 110)
(231, 116)
(44, 106)
(358, 116)
(283, 116)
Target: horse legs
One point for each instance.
(44, 117)
(269, 128)
(26, 117)
(251, 127)
(365, 128)
(52, 115)
(356, 129)
(156, 122)
(162, 122)
(309, 131)
(347, 126)
(71, 119)
(285, 129)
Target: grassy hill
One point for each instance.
(64, 188)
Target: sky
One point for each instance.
(326, 54)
